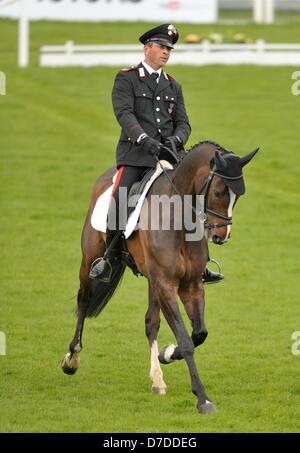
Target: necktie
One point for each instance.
(154, 76)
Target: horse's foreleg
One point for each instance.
(152, 323)
(192, 297)
(166, 295)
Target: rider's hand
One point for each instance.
(150, 145)
(173, 142)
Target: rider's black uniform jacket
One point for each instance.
(142, 105)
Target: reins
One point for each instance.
(205, 188)
(173, 154)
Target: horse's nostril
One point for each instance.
(217, 239)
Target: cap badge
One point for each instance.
(172, 30)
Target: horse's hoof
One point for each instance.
(159, 390)
(207, 408)
(70, 366)
(68, 370)
(165, 354)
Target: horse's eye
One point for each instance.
(217, 193)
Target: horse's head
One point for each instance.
(225, 186)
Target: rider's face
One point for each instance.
(156, 55)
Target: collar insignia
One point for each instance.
(142, 72)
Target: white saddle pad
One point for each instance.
(99, 216)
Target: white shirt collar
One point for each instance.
(151, 70)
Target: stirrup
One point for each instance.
(211, 260)
(104, 274)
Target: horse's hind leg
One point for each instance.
(166, 294)
(92, 246)
(152, 322)
(71, 360)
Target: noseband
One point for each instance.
(204, 191)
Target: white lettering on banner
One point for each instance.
(196, 11)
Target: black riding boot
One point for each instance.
(102, 267)
(209, 276)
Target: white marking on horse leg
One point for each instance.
(156, 374)
(169, 351)
(73, 362)
(229, 214)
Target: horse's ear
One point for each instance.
(220, 162)
(246, 159)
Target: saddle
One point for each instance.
(138, 187)
(138, 193)
(138, 190)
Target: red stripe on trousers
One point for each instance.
(120, 171)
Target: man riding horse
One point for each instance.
(149, 105)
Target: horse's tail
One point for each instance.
(100, 293)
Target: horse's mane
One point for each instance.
(209, 142)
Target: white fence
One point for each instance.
(23, 29)
(205, 53)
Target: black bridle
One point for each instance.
(204, 191)
(205, 188)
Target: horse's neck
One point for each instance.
(194, 166)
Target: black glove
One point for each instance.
(173, 142)
(151, 146)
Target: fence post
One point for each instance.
(23, 50)
(206, 47)
(69, 46)
(260, 45)
(263, 11)
(269, 12)
(258, 11)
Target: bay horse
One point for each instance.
(172, 265)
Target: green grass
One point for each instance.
(57, 134)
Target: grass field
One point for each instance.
(57, 134)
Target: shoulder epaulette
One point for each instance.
(130, 68)
(171, 77)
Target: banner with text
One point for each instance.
(193, 11)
